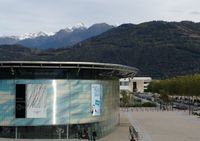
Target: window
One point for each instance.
(124, 83)
(20, 101)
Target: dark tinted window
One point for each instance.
(20, 104)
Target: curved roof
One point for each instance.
(105, 68)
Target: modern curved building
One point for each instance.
(59, 99)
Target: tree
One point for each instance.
(125, 97)
(165, 98)
(183, 86)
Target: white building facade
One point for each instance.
(136, 84)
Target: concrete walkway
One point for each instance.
(166, 125)
(152, 126)
(121, 133)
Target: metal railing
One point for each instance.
(134, 136)
(138, 131)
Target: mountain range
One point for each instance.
(63, 38)
(159, 49)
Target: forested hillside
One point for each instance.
(159, 49)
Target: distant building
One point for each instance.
(136, 84)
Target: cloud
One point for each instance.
(176, 11)
(49, 15)
(195, 12)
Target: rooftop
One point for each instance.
(101, 69)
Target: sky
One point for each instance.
(29, 16)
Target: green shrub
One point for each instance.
(148, 104)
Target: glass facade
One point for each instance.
(58, 108)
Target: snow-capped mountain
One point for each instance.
(79, 26)
(62, 38)
(14, 39)
(8, 40)
(34, 35)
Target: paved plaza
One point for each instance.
(166, 125)
(152, 126)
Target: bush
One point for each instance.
(148, 104)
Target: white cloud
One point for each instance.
(19, 16)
